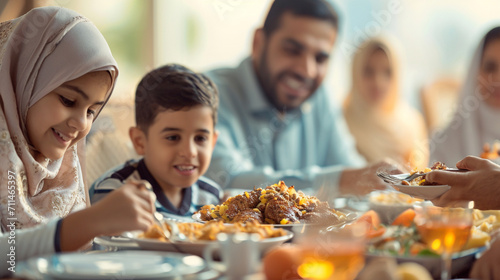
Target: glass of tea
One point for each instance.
(334, 254)
(444, 229)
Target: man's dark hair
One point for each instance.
(172, 87)
(318, 9)
(492, 35)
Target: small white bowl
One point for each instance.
(389, 204)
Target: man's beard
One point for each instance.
(268, 83)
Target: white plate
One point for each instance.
(197, 218)
(113, 243)
(117, 265)
(424, 192)
(197, 248)
(292, 227)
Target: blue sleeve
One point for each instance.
(232, 167)
(344, 145)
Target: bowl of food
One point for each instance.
(403, 241)
(389, 204)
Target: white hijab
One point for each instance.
(474, 123)
(382, 130)
(38, 52)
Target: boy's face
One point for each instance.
(177, 147)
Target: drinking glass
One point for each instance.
(444, 229)
(334, 254)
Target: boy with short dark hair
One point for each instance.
(176, 113)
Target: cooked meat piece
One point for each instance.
(205, 215)
(438, 165)
(236, 205)
(326, 216)
(254, 198)
(311, 217)
(330, 217)
(249, 215)
(309, 207)
(278, 209)
(322, 206)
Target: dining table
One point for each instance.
(108, 245)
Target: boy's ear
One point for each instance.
(138, 138)
(216, 136)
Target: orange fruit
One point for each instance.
(405, 218)
(281, 263)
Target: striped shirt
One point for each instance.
(203, 192)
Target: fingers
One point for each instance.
(472, 163)
(445, 177)
(143, 190)
(141, 184)
(145, 223)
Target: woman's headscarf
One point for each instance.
(473, 124)
(40, 51)
(390, 129)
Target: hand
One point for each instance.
(486, 267)
(130, 207)
(481, 184)
(364, 180)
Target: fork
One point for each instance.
(391, 179)
(158, 217)
(158, 220)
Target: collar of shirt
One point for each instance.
(160, 195)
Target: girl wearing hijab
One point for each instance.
(56, 74)
(475, 122)
(383, 125)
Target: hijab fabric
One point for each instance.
(473, 124)
(39, 51)
(391, 128)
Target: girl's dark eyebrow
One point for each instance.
(81, 92)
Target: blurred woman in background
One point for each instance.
(475, 122)
(383, 124)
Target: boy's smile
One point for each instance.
(177, 147)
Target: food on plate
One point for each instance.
(393, 198)
(371, 219)
(420, 180)
(276, 204)
(405, 219)
(491, 152)
(389, 204)
(209, 231)
(402, 238)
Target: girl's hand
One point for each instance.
(127, 208)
